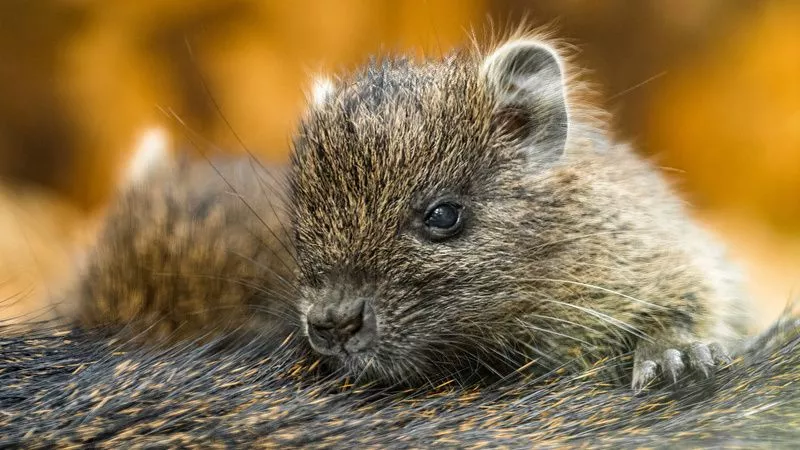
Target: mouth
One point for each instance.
(370, 368)
(351, 351)
(361, 364)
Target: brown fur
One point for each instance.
(192, 247)
(574, 249)
(573, 246)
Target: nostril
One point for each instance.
(344, 316)
(365, 336)
(320, 326)
(354, 324)
(322, 337)
(347, 326)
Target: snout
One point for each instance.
(346, 326)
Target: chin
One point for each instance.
(369, 368)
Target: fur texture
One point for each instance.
(573, 248)
(191, 248)
(65, 389)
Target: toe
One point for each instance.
(720, 355)
(672, 365)
(643, 375)
(701, 360)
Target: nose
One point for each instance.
(344, 326)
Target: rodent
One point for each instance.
(468, 213)
(63, 388)
(191, 248)
(67, 387)
(462, 216)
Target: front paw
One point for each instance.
(654, 363)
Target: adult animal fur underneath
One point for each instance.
(65, 388)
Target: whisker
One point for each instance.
(274, 293)
(600, 288)
(272, 272)
(556, 333)
(224, 118)
(608, 319)
(189, 134)
(569, 322)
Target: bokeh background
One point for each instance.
(709, 87)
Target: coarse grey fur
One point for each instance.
(63, 388)
(574, 249)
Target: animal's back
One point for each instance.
(192, 247)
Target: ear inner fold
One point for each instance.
(527, 78)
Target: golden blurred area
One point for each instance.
(707, 88)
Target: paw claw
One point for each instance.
(701, 360)
(643, 375)
(719, 354)
(672, 365)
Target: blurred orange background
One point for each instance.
(710, 88)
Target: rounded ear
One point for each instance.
(527, 78)
(152, 153)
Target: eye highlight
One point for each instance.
(443, 220)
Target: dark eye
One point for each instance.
(444, 220)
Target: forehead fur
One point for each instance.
(391, 96)
(395, 126)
